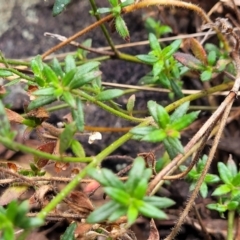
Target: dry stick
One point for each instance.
(132, 8)
(208, 237)
(82, 32)
(205, 170)
(76, 44)
(18, 176)
(153, 187)
(195, 159)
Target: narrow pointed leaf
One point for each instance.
(69, 234)
(121, 28)
(184, 121)
(78, 115)
(173, 146)
(109, 94)
(57, 68)
(66, 137)
(148, 210)
(155, 136)
(41, 101)
(179, 112)
(225, 173)
(59, 6)
(103, 212)
(69, 63)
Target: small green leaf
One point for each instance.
(126, 3)
(232, 166)
(159, 114)
(104, 10)
(155, 136)
(109, 94)
(149, 210)
(159, 202)
(173, 146)
(59, 6)
(50, 75)
(112, 179)
(66, 137)
(56, 67)
(172, 48)
(142, 131)
(69, 99)
(44, 91)
(140, 189)
(69, 233)
(224, 173)
(78, 115)
(147, 58)
(118, 195)
(114, 3)
(11, 211)
(121, 211)
(68, 77)
(84, 79)
(131, 103)
(184, 121)
(41, 101)
(206, 75)
(5, 73)
(103, 212)
(236, 180)
(132, 214)
(157, 67)
(135, 174)
(179, 112)
(121, 28)
(154, 44)
(37, 66)
(212, 56)
(232, 205)
(211, 178)
(97, 175)
(217, 207)
(77, 148)
(69, 63)
(221, 190)
(204, 190)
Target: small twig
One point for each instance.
(18, 176)
(195, 159)
(60, 215)
(76, 44)
(205, 232)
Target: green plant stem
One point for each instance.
(104, 30)
(130, 58)
(195, 96)
(96, 161)
(15, 62)
(230, 228)
(24, 76)
(17, 146)
(107, 108)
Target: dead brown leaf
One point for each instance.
(154, 234)
(48, 148)
(13, 116)
(81, 200)
(12, 193)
